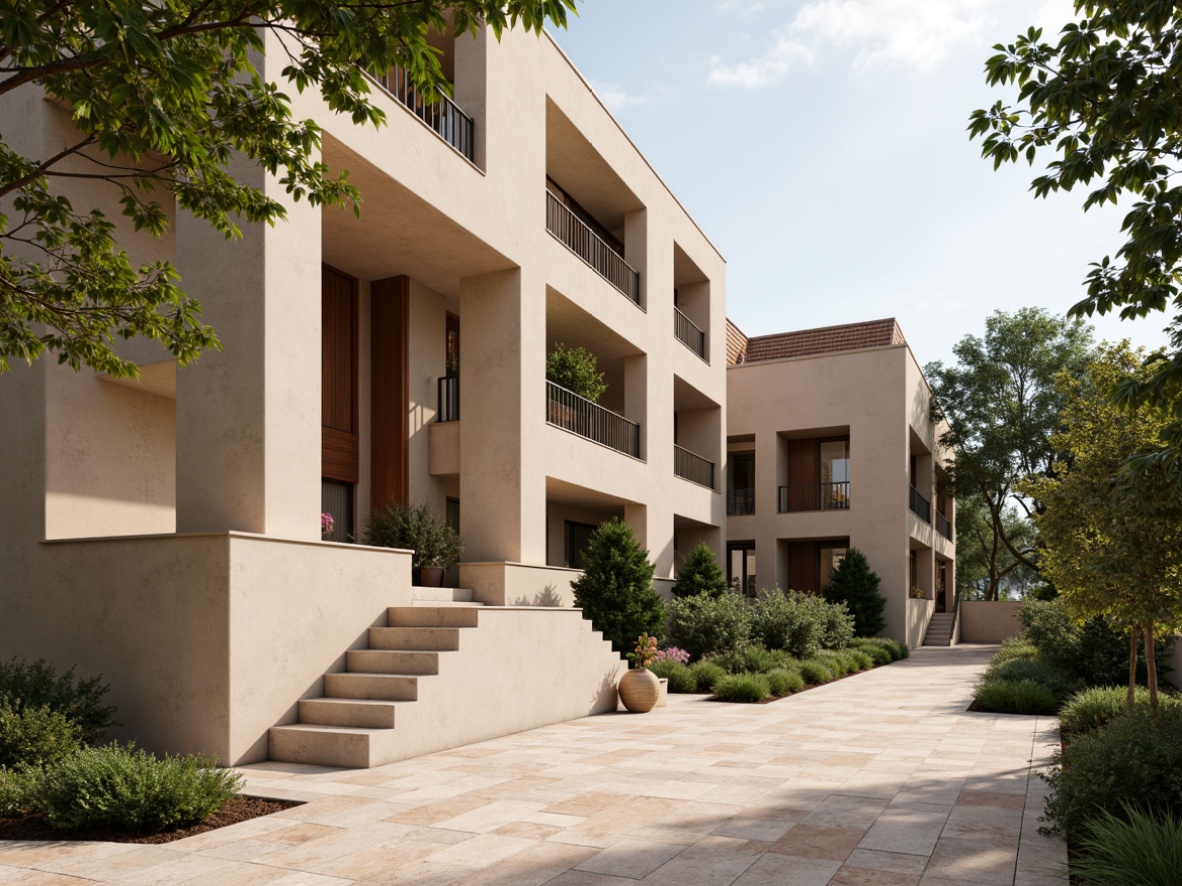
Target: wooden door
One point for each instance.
(338, 377)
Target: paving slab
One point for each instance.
(882, 779)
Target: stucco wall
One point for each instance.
(988, 621)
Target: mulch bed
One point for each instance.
(240, 808)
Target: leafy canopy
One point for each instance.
(163, 94)
(576, 369)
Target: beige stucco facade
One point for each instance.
(164, 532)
(876, 402)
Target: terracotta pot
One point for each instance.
(639, 690)
(431, 576)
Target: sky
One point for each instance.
(821, 146)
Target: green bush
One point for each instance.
(898, 649)
(783, 681)
(576, 369)
(38, 685)
(128, 789)
(862, 659)
(1097, 706)
(35, 737)
(752, 658)
(1134, 847)
(616, 589)
(704, 625)
(839, 627)
(855, 584)
(1004, 696)
(1018, 670)
(815, 671)
(705, 674)
(418, 527)
(799, 623)
(742, 687)
(1135, 760)
(876, 652)
(679, 676)
(834, 661)
(18, 791)
(699, 573)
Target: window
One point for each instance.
(452, 514)
(740, 485)
(740, 567)
(577, 536)
(834, 470)
(336, 498)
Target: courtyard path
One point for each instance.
(880, 779)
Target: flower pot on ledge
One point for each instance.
(431, 576)
(639, 690)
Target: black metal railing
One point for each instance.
(815, 497)
(578, 237)
(449, 399)
(567, 410)
(740, 501)
(920, 506)
(943, 525)
(443, 116)
(688, 333)
(691, 466)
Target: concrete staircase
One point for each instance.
(446, 672)
(940, 629)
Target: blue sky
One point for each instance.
(821, 146)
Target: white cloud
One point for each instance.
(616, 97)
(915, 34)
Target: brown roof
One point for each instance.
(828, 339)
(736, 344)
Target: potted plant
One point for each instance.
(421, 528)
(639, 688)
(576, 370)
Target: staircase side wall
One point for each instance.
(988, 621)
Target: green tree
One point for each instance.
(616, 589)
(1103, 105)
(1113, 541)
(982, 560)
(163, 94)
(700, 573)
(1001, 406)
(855, 584)
(576, 369)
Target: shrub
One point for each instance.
(1016, 697)
(672, 653)
(705, 674)
(576, 369)
(1017, 647)
(704, 625)
(38, 685)
(35, 737)
(742, 688)
(834, 661)
(783, 681)
(1017, 670)
(855, 584)
(839, 627)
(418, 527)
(1134, 760)
(128, 789)
(1133, 847)
(700, 573)
(18, 790)
(799, 623)
(898, 649)
(1097, 706)
(815, 671)
(863, 659)
(751, 658)
(616, 589)
(679, 676)
(876, 652)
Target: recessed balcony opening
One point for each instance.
(573, 512)
(589, 209)
(740, 475)
(691, 303)
(696, 434)
(815, 470)
(809, 563)
(919, 494)
(944, 505)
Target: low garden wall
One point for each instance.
(988, 621)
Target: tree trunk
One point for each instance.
(1151, 666)
(1132, 664)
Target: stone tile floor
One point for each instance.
(881, 779)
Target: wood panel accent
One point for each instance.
(389, 397)
(339, 456)
(802, 462)
(804, 565)
(339, 444)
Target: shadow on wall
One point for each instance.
(606, 693)
(548, 596)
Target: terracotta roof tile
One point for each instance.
(736, 344)
(848, 337)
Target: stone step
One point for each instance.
(354, 712)
(433, 616)
(323, 745)
(386, 661)
(431, 639)
(376, 687)
(442, 595)
(444, 603)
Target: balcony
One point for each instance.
(688, 333)
(443, 116)
(691, 466)
(740, 502)
(449, 399)
(943, 525)
(567, 410)
(920, 506)
(815, 497)
(578, 237)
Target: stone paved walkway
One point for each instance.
(882, 778)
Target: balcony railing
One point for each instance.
(449, 399)
(691, 466)
(688, 333)
(943, 525)
(815, 497)
(574, 233)
(567, 410)
(920, 506)
(740, 501)
(443, 116)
